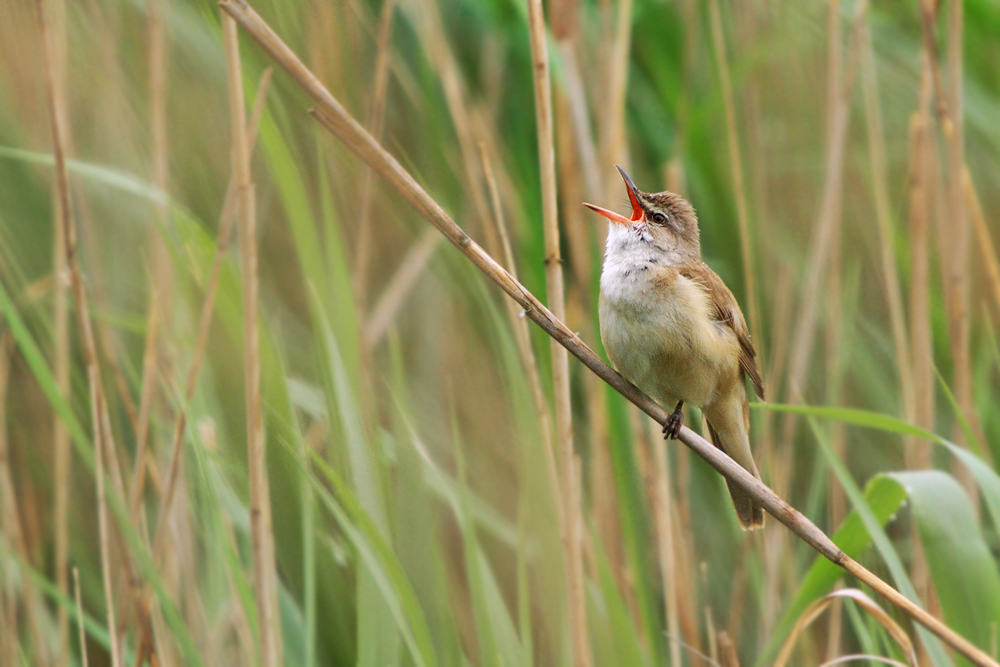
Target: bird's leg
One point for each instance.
(672, 428)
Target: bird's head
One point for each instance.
(664, 220)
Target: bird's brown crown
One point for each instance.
(672, 214)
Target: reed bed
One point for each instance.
(339, 444)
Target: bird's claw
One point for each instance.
(672, 429)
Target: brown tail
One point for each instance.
(750, 514)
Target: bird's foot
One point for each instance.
(672, 429)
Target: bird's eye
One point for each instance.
(659, 218)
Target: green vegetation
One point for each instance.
(413, 471)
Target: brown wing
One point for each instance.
(728, 311)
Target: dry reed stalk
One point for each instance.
(955, 240)
(10, 645)
(736, 165)
(376, 123)
(107, 339)
(837, 498)
(244, 631)
(578, 167)
(79, 617)
(102, 525)
(262, 535)
(105, 335)
(919, 456)
(149, 374)
(805, 327)
(102, 436)
(570, 187)
(613, 144)
(728, 657)
(928, 18)
(156, 33)
(988, 254)
(956, 262)
(560, 356)
(711, 636)
(686, 579)
(157, 36)
(144, 463)
(62, 479)
(398, 288)
(332, 115)
(128, 585)
(572, 166)
(577, 98)
(663, 511)
(522, 337)
(227, 221)
(14, 532)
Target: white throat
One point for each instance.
(631, 250)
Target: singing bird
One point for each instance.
(673, 328)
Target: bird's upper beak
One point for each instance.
(637, 212)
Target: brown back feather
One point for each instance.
(727, 310)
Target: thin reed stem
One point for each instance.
(157, 35)
(79, 617)
(956, 269)
(13, 530)
(227, 222)
(62, 478)
(560, 357)
(149, 373)
(613, 144)
(922, 351)
(332, 115)
(987, 251)
(663, 511)
(103, 443)
(262, 534)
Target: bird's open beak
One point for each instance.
(637, 212)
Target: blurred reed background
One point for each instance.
(842, 156)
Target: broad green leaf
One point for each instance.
(962, 568)
(987, 478)
(884, 497)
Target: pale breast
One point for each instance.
(657, 329)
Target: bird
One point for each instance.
(671, 326)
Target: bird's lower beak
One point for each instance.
(610, 215)
(637, 212)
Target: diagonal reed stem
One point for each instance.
(332, 115)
